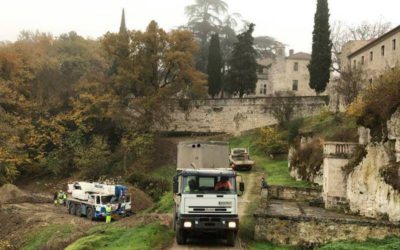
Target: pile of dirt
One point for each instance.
(140, 200)
(12, 194)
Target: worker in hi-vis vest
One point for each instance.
(108, 213)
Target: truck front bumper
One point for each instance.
(203, 223)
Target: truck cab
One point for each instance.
(206, 199)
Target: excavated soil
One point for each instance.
(11, 194)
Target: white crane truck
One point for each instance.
(91, 198)
(202, 205)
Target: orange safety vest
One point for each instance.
(223, 185)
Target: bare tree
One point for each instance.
(341, 33)
(282, 108)
(349, 84)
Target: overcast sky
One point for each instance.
(289, 21)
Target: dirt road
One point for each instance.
(210, 243)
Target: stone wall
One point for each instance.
(313, 231)
(236, 115)
(294, 193)
(367, 192)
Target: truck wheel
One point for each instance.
(230, 238)
(89, 213)
(180, 237)
(72, 209)
(78, 211)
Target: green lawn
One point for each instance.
(150, 236)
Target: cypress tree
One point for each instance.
(214, 66)
(321, 60)
(242, 74)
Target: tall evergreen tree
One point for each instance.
(242, 74)
(214, 66)
(321, 60)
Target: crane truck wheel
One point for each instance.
(180, 237)
(230, 238)
(89, 213)
(78, 210)
(72, 209)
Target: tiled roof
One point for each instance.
(375, 41)
(300, 56)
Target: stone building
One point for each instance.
(283, 74)
(373, 56)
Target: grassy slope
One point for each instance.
(276, 170)
(166, 202)
(330, 127)
(277, 174)
(150, 236)
(39, 238)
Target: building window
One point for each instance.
(394, 44)
(296, 66)
(383, 50)
(371, 55)
(362, 60)
(354, 64)
(263, 89)
(295, 86)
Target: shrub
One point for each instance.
(283, 108)
(359, 153)
(293, 130)
(272, 142)
(377, 103)
(155, 187)
(307, 159)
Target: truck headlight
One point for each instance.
(187, 224)
(232, 224)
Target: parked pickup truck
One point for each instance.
(239, 159)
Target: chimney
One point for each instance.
(291, 52)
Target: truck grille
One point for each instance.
(208, 209)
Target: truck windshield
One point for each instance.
(108, 199)
(209, 184)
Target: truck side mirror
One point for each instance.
(175, 185)
(241, 187)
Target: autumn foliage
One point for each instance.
(377, 103)
(74, 105)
